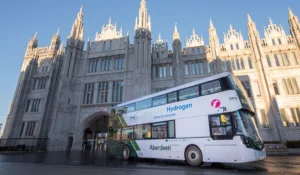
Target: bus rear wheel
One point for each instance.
(125, 152)
(193, 156)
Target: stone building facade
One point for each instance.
(65, 94)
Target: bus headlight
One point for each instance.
(246, 142)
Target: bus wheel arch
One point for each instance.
(193, 155)
(126, 152)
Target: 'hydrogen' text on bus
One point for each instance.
(182, 107)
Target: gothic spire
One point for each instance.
(270, 20)
(291, 14)
(78, 28)
(249, 18)
(143, 21)
(176, 34)
(211, 25)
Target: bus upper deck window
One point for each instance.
(172, 97)
(211, 87)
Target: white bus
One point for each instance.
(209, 120)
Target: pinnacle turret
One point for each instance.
(143, 21)
(77, 31)
(176, 34)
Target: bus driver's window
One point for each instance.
(220, 125)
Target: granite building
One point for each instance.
(65, 93)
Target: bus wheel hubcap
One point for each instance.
(194, 155)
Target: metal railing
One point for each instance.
(23, 144)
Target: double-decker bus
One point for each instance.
(209, 120)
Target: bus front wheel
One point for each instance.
(125, 152)
(193, 156)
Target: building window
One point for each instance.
(237, 46)
(198, 50)
(283, 118)
(104, 46)
(242, 63)
(250, 63)
(296, 115)
(275, 88)
(232, 64)
(117, 91)
(193, 51)
(257, 89)
(105, 65)
(157, 71)
(237, 64)
(93, 66)
(247, 87)
(186, 69)
(290, 86)
(88, 93)
(295, 86)
(295, 58)
(22, 129)
(264, 119)
(195, 68)
(171, 71)
(33, 105)
(157, 55)
(39, 83)
(276, 60)
(119, 63)
(268, 61)
(110, 45)
(102, 96)
(201, 68)
(279, 41)
(273, 41)
(208, 67)
(286, 61)
(30, 129)
(231, 46)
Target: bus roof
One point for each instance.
(202, 80)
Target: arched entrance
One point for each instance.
(95, 128)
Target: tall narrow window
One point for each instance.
(193, 51)
(157, 71)
(164, 71)
(285, 87)
(264, 119)
(171, 71)
(208, 67)
(102, 96)
(231, 46)
(250, 63)
(273, 42)
(232, 64)
(290, 87)
(295, 86)
(237, 46)
(257, 89)
(225, 65)
(198, 50)
(27, 107)
(285, 59)
(268, 61)
(276, 60)
(117, 95)
(295, 58)
(104, 46)
(201, 70)
(279, 41)
(88, 93)
(242, 63)
(237, 64)
(295, 118)
(247, 87)
(186, 69)
(283, 118)
(110, 45)
(160, 72)
(275, 87)
(22, 128)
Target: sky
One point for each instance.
(21, 19)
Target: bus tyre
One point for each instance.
(193, 156)
(125, 152)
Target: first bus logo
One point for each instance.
(215, 103)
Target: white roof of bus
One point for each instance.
(202, 80)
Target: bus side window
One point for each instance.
(172, 97)
(127, 133)
(159, 130)
(143, 131)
